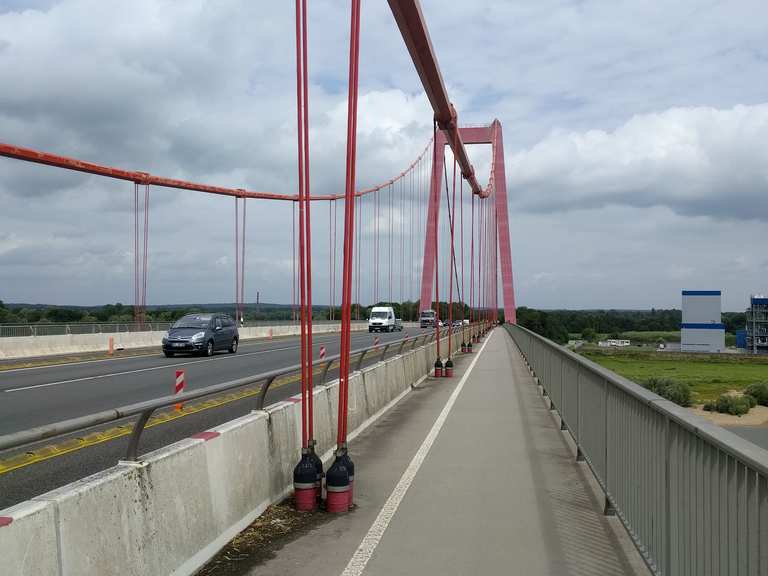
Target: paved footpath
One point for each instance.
(468, 476)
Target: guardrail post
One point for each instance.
(138, 428)
(384, 353)
(609, 509)
(579, 453)
(263, 393)
(325, 371)
(402, 345)
(360, 360)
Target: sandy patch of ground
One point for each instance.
(757, 416)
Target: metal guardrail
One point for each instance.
(693, 496)
(11, 330)
(144, 410)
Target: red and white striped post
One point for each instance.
(322, 352)
(376, 341)
(179, 388)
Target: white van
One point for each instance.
(383, 320)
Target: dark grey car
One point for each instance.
(202, 334)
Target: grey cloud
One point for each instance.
(205, 91)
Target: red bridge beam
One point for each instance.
(68, 163)
(413, 28)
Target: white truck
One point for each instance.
(383, 320)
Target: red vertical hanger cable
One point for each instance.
(301, 200)
(349, 213)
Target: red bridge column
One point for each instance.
(502, 215)
(433, 213)
(473, 135)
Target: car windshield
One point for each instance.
(379, 314)
(193, 322)
(430, 314)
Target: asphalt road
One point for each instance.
(37, 396)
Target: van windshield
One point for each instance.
(428, 314)
(379, 314)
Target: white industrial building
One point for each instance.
(702, 329)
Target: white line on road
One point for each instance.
(139, 370)
(245, 343)
(371, 540)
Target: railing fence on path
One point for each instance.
(693, 496)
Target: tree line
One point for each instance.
(30, 314)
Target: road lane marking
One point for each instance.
(249, 343)
(139, 370)
(47, 452)
(246, 343)
(149, 369)
(365, 550)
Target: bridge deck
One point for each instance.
(497, 492)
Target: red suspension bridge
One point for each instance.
(431, 234)
(388, 230)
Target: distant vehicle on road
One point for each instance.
(201, 334)
(427, 319)
(383, 320)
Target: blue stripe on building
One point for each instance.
(695, 326)
(702, 292)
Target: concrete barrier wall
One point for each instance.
(171, 513)
(30, 346)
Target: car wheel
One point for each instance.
(168, 354)
(370, 329)
(209, 348)
(233, 347)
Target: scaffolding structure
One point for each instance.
(757, 324)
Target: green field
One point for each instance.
(709, 375)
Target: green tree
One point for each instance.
(589, 334)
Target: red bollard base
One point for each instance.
(448, 370)
(438, 369)
(337, 500)
(306, 498)
(337, 483)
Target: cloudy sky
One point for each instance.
(636, 140)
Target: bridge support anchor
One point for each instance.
(337, 483)
(438, 368)
(448, 369)
(304, 477)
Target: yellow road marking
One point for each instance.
(73, 444)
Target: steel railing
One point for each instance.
(144, 410)
(693, 496)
